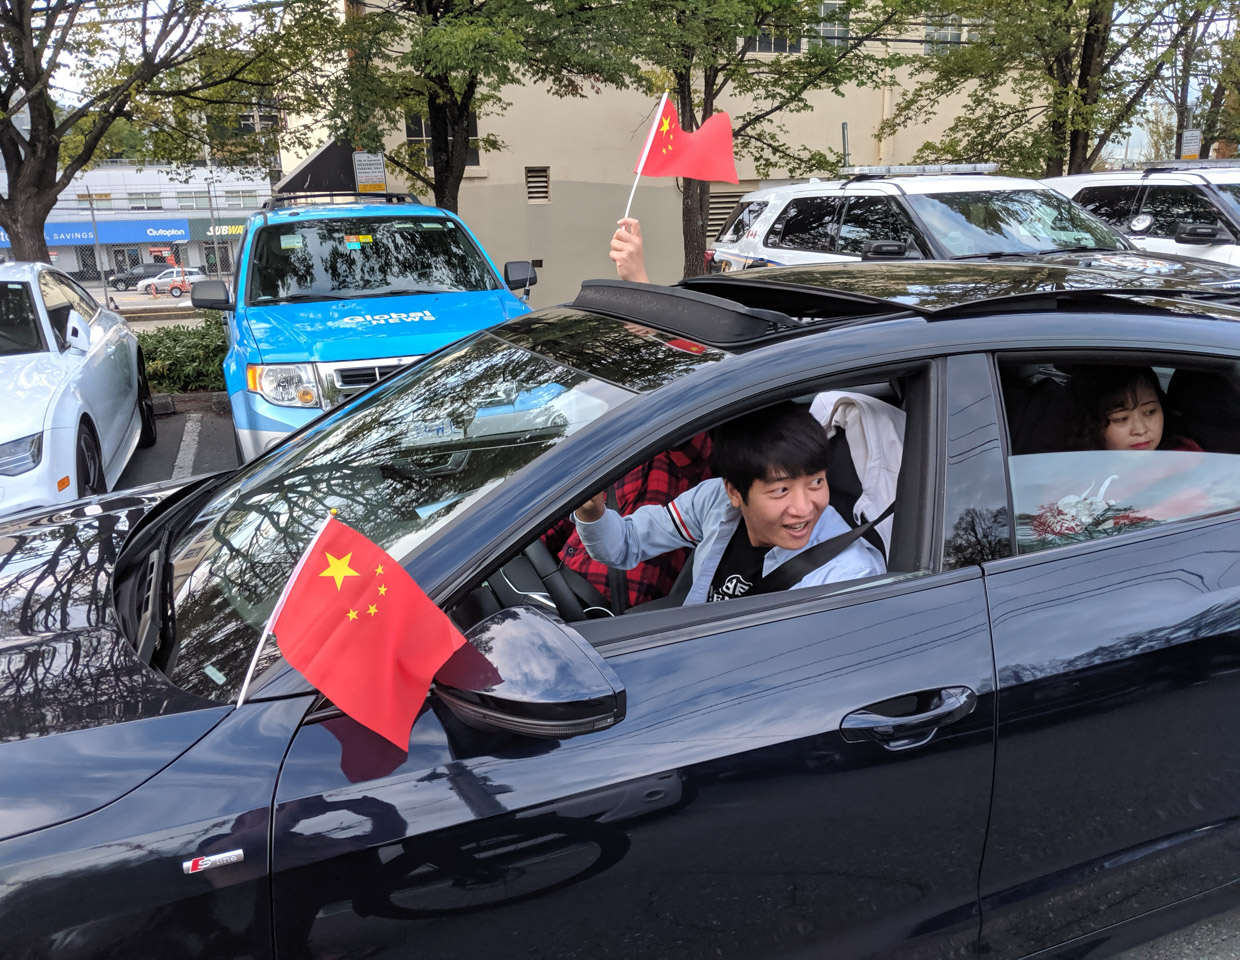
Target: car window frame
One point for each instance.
(922, 436)
(1051, 354)
(773, 238)
(912, 226)
(1220, 216)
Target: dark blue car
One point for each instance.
(1018, 742)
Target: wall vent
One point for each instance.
(538, 184)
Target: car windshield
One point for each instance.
(397, 464)
(984, 222)
(19, 323)
(1230, 192)
(349, 257)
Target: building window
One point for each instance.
(194, 200)
(832, 29)
(538, 184)
(241, 198)
(146, 201)
(418, 134)
(102, 201)
(943, 31)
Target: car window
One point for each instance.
(82, 301)
(742, 217)
(875, 218)
(1170, 206)
(1102, 448)
(19, 322)
(350, 257)
(980, 222)
(58, 300)
(807, 223)
(1114, 204)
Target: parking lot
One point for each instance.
(195, 438)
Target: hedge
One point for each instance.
(181, 359)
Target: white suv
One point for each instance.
(1173, 206)
(934, 212)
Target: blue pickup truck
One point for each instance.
(331, 297)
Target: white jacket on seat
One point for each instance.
(875, 431)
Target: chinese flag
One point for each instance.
(705, 154)
(354, 624)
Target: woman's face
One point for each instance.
(1135, 428)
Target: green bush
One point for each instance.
(182, 359)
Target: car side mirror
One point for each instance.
(1140, 223)
(211, 295)
(884, 250)
(77, 332)
(522, 672)
(520, 275)
(1201, 233)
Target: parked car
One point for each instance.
(331, 297)
(74, 389)
(175, 281)
(131, 277)
(958, 213)
(1015, 742)
(1168, 206)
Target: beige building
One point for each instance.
(554, 193)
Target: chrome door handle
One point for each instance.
(903, 733)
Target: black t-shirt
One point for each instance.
(740, 568)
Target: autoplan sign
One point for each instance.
(79, 233)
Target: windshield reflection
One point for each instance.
(396, 464)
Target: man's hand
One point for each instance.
(594, 508)
(626, 251)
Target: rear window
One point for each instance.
(349, 257)
(742, 217)
(19, 323)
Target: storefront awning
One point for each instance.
(78, 233)
(224, 228)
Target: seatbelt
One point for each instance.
(791, 572)
(617, 579)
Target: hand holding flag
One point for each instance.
(358, 627)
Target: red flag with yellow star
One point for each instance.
(704, 154)
(354, 623)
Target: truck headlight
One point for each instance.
(20, 456)
(284, 384)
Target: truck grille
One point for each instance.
(341, 380)
(355, 378)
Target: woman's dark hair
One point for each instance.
(1100, 391)
(780, 440)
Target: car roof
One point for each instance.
(331, 211)
(914, 184)
(22, 270)
(1179, 172)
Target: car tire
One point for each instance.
(175, 291)
(146, 408)
(90, 478)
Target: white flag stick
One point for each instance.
(641, 164)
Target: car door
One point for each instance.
(1115, 629)
(1168, 205)
(797, 774)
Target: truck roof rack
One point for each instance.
(292, 199)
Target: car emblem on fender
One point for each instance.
(199, 864)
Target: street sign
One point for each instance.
(368, 173)
(1190, 145)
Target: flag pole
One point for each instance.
(641, 164)
(275, 611)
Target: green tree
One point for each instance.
(447, 60)
(182, 72)
(766, 57)
(1049, 83)
(1203, 73)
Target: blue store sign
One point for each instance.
(161, 232)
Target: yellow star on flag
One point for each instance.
(382, 589)
(666, 125)
(352, 614)
(372, 610)
(338, 568)
(379, 570)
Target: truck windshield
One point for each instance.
(350, 257)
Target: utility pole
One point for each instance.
(94, 232)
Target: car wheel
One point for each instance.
(146, 408)
(175, 291)
(90, 480)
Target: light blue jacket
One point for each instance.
(704, 518)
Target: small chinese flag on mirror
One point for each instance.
(354, 623)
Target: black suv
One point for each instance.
(136, 274)
(1016, 741)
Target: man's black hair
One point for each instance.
(783, 440)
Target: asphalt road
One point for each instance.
(194, 440)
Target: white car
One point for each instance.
(935, 212)
(1169, 206)
(175, 280)
(73, 384)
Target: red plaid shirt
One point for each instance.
(661, 480)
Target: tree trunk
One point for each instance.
(26, 238)
(694, 207)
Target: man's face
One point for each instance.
(781, 511)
